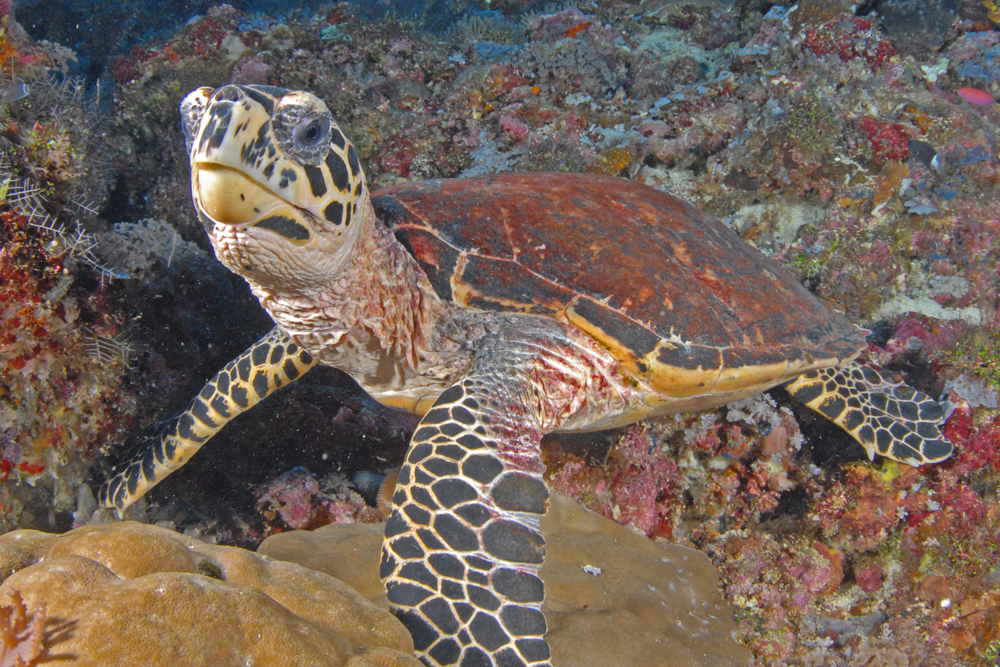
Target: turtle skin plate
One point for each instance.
(676, 296)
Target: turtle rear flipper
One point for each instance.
(463, 545)
(269, 364)
(890, 419)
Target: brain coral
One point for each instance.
(129, 594)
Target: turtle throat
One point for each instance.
(380, 321)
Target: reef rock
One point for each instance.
(613, 597)
(131, 594)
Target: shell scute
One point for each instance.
(438, 260)
(497, 284)
(671, 291)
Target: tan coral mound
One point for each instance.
(636, 603)
(129, 594)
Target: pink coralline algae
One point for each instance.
(514, 128)
(780, 578)
(889, 140)
(252, 71)
(292, 496)
(688, 480)
(636, 485)
(869, 578)
(298, 499)
(932, 336)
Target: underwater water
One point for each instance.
(854, 144)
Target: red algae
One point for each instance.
(59, 402)
(889, 140)
(850, 38)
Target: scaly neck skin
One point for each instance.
(380, 321)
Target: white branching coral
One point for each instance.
(754, 411)
(762, 413)
(72, 239)
(707, 422)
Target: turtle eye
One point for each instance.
(302, 128)
(312, 133)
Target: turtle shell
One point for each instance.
(675, 295)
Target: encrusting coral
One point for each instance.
(612, 597)
(129, 594)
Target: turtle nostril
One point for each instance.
(229, 94)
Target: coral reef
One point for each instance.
(135, 594)
(62, 355)
(857, 149)
(734, 469)
(613, 597)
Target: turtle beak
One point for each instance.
(229, 197)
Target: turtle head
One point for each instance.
(277, 186)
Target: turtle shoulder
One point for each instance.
(679, 298)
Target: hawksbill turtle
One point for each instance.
(500, 309)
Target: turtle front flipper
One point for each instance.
(463, 545)
(269, 364)
(890, 419)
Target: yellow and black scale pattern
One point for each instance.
(463, 545)
(271, 363)
(323, 154)
(893, 420)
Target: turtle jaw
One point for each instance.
(229, 197)
(262, 237)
